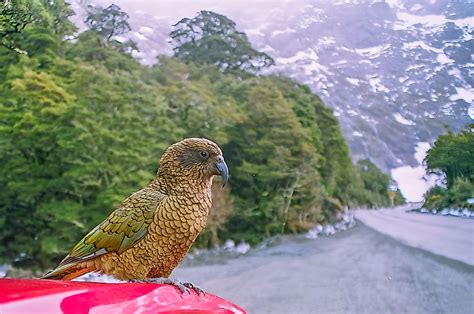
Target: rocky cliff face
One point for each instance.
(395, 72)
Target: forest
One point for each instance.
(83, 125)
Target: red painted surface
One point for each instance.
(51, 296)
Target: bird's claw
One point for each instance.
(184, 287)
(196, 289)
(181, 286)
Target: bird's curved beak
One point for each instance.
(222, 170)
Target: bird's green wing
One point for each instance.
(124, 227)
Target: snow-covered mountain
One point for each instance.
(395, 72)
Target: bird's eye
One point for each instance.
(204, 154)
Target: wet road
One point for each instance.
(451, 237)
(356, 271)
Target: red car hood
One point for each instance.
(51, 296)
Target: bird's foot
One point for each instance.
(196, 289)
(184, 287)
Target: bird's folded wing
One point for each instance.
(125, 226)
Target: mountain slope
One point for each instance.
(394, 72)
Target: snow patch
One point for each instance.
(300, 55)
(416, 7)
(229, 245)
(356, 133)
(315, 15)
(283, 31)
(400, 119)
(254, 32)
(145, 30)
(414, 67)
(267, 48)
(463, 93)
(421, 150)
(402, 79)
(455, 72)
(433, 20)
(377, 86)
(443, 59)
(326, 41)
(420, 44)
(413, 181)
(120, 39)
(328, 230)
(306, 60)
(352, 112)
(139, 36)
(372, 52)
(258, 31)
(447, 109)
(394, 4)
(242, 247)
(353, 81)
(340, 62)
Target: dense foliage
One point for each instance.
(212, 38)
(452, 156)
(375, 185)
(83, 125)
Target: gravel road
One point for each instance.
(357, 271)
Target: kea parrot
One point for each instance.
(150, 232)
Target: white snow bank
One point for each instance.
(242, 248)
(329, 230)
(413, 181)
(229, 245)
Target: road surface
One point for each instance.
(451, 237)
(356, 271)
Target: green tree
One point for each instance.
(14, 17)
(108, 22)
(212, 38)
(375, 183)
(36, 143)
(20, 19)
(453, 155)
(104, 25)
(272, 154)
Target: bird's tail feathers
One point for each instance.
(65, 272)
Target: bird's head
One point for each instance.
(192, 162)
